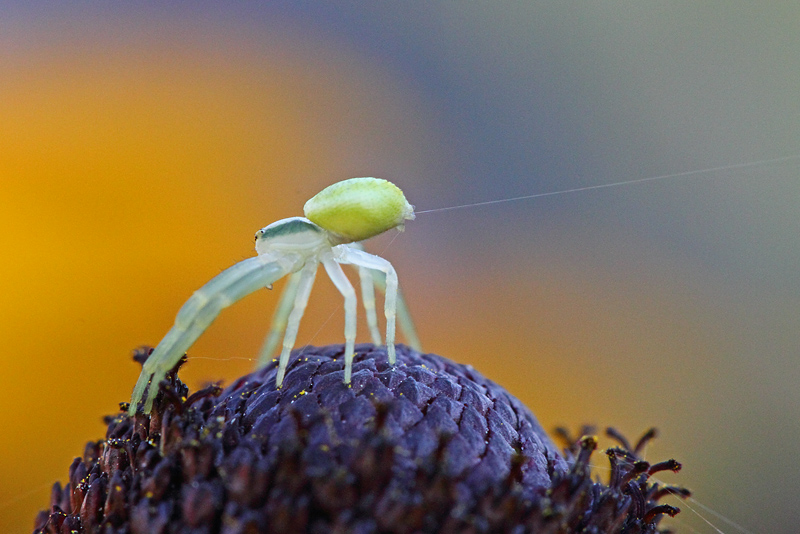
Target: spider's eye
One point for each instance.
(259, 234)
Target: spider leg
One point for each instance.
(403, 313)
(198, 313)
(305, 283)
(345, 254)
(368, 299)
(279, 319)
(344, 286)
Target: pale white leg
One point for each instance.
(307, 275)
(345, 254)
(279, 319)
(197, 314)
(368, 299)
(403, 314)
(346, 289)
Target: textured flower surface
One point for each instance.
(425, 446)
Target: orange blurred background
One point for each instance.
(140, 151)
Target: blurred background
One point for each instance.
(141, 148)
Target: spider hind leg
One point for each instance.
(354, 256)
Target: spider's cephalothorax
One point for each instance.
(337, 218)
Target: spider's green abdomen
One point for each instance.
(359, 208)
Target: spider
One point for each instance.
(337, 218)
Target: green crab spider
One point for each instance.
(336, 219)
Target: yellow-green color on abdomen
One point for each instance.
(359, 208)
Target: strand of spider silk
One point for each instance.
(216, 359)
(698, 514)
(709, 510)
(719, 516)
(624, 182)
(684, 502)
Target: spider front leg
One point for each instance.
(346, 254)
(199, 312)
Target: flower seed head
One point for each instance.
(425, 446)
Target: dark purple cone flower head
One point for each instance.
(425, 446)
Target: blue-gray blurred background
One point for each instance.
(141, 147)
